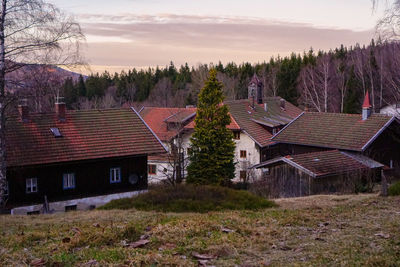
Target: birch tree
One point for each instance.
(31, 32)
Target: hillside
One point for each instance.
(353, 230)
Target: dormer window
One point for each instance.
(56, 132)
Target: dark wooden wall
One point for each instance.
(387, 147)
(284, 180)
(92, 178)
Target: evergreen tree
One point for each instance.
(81, 86)
(70, 92)
(212, 149)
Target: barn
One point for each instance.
(323, 172)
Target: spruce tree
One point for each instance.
(212, 148)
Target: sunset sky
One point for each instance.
(140, 33)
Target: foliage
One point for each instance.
(212, 148)
(192, 198)
(394, 189)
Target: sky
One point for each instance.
(121, 34)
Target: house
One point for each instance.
(332, 152)
(317, 173)
(391, 110)
(169, 125)
(376, 136)
(76, 159)
(253, 122)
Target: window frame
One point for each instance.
(245, 175)
(31, 185)
(236, 135)
(68, 176)
(112, 177)
(150, 167)
(243, 152)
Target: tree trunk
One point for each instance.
(3, 165)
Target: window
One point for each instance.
(236, 135)
(243, 154)
(115, 175)
(391, 164)
(31, 185)
(243, 175)
(68, 180)
(265, 170)
(274, 130)
(56, 132)
(152, 169)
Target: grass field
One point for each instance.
(357, 230)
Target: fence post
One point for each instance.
(384, 190)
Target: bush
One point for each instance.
(192, 198)
(394, 189)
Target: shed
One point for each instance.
(325, 172)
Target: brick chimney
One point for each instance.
(24, 110)
(60, 109)
(366, 108)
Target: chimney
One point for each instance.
(283, 103)
(23, 110)
(366, 108)
(265, 107)
(60, 109)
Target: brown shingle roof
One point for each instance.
(318, 164)
(252, 121)
(86, 134)
(333, 130)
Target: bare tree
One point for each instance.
(341, 69)
(31, 32)
(317, 84)
(229, 85)
(388, 27)
(161, 94)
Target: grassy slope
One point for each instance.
(321, 230)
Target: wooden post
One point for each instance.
(384, 190)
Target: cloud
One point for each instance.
(145, 40)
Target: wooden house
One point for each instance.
(76, 159)
(332, 152)
(376, 136)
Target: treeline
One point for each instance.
(333, 81)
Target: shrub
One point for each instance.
(394, 189)
(192, 198)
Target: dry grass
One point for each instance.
(321, 230)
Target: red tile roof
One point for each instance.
(232, 126)
(318, 164)
(86, 134)
(333, 130)
(158, 118)
(252, 121)
(243, 117)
